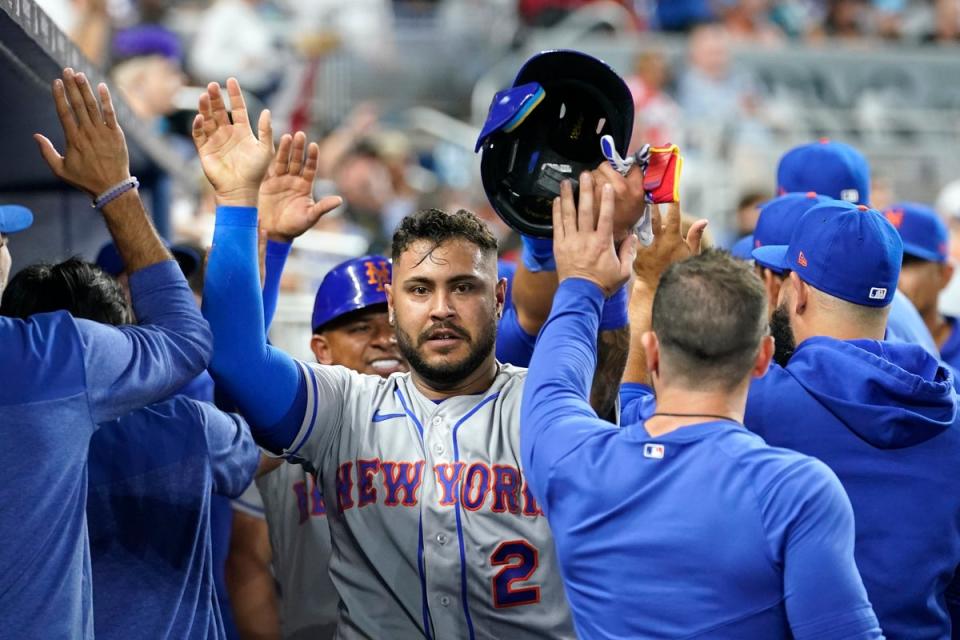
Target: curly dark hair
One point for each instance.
(438, 226)
(81, 288)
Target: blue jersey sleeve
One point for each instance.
(266, 383)
(555, 413)
(232, 452)
(637, 402)
(275, 259)
(514, 345)
(129, 367)
(810, 529)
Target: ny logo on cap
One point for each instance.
(378, 273)
(878, 293)
(802, 259)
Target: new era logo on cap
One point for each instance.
(802, 259)
(654, 451)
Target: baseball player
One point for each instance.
(434, 531)
(686, 509)
(927, 271)
(881, 414)
(61, 377)
(149, 517)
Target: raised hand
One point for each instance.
(233, 159)
(630, 198)
(583, 243)
(286, 204)
(668, 246)
(95, 157)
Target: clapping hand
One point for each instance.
(95, 156)
(233, 159)
(669, 245)
(286, 204)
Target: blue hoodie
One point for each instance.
(884, 417)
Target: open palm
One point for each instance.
(287, 207)
(233, 159)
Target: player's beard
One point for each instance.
(451, 374)
(782, 332)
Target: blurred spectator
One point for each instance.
(748, 211)
(547, 13)
(235, 39)
(846, 18)
(946, 20)
(147, 70)
(749, 20)
(713, 93)
(86, 22)
(657, 118)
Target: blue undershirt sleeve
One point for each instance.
(637, 402)
(514, 345)
(129, 367)
(809, 520)
(555, 413)
(275, 259)
(266, 383)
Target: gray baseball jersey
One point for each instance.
(300, 540)
(435, 533)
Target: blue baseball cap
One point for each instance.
(779, 217)
(848, 251)
(741, 248)
(14, 218)
(146, 40)
(350, 286)
(832, 169)
(923, 233)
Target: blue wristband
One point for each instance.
(537, 254)
(614, 314)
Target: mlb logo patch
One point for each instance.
(850, 195)
(654, 451)
(878, 293)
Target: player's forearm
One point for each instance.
(532, 297)
(276, 258)
(612, 349)
(641, 321)
(133, 233)
(263, 381)
(249, 580)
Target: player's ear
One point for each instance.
(801, 293)
(501, 296)
(389, 290)
(772, 283)
(321, 348)
(651, 351)
(764, 357)
(946, 274)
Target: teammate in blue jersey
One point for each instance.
(839, 171)
(61, 377)
(152, 475)
(927, 271)
(882, 415)
(685, 524)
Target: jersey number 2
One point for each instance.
(519, 560)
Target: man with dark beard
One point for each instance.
(776, 223)
(882, 415)
(434, 531)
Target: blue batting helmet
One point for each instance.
(350, 286)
